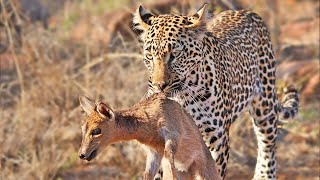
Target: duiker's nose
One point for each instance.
(82, 156)
(160, 85)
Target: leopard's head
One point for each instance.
(172, 46)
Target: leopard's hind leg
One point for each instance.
(265, 107)
(264, 114)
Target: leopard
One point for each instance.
(218, 67)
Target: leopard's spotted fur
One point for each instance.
(217, 69)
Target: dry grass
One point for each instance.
(40, 115)
(45, 119)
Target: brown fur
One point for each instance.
(161, 125)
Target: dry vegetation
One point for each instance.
(86, 50)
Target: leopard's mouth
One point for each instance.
(177, 85)
(172, 89)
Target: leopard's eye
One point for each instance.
(149, 56)
(176, 53)
(96, 132)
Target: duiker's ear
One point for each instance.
(199, 18)
(104, 110)
(86, 104)
(142, 20)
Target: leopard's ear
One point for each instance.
(142, 20)
(199, 18)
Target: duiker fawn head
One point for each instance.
(96, 129)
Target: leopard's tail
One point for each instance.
(289, 105)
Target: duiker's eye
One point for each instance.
(96, 132)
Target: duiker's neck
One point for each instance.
(127, 123)
(136, 125)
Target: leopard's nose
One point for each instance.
(160, 85)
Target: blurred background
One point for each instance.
(53, 51)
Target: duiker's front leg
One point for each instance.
(152, 164)
(169, 152)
